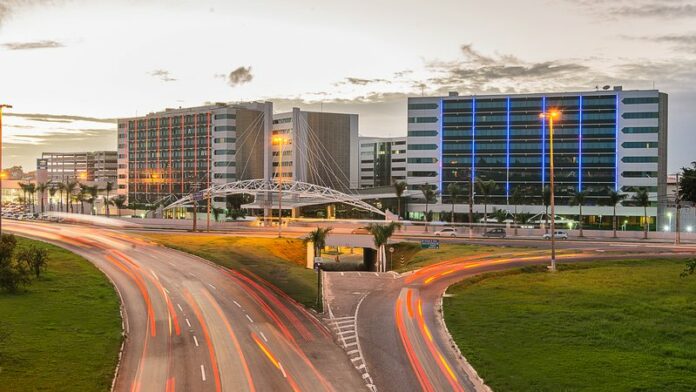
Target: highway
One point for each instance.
(194, 326)
(398, 317)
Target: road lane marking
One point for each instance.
(264, 337)
(180, 308)
(202, 373)
(188, 323)
(237, 303)
(195, 340)
(280, 365)
(212, 286)
(249, 318)
(154, 274)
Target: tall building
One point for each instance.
(97, 166)
(382, 161)
(178, 151)
(604, 140)
(318, 147)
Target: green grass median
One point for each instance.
(64, 331)
(609, 326)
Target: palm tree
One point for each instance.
(454, 191)
(109, 187)
(70, 188)
(52, 192)
(318, 239)
(119, 202)
(516, 198)
(399, 189)
(41, 189)
(547, 201)
(642, 199)
(579, 200)
(381, 234)
(25, 189)
(500, 215)
(82, 196)
(430, 196)
(486, 188)
(31, 189)
(216, 213)
(614, 199)
(93, 192)
(61, 190)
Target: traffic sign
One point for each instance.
(430, 244)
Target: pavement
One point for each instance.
(193, 326)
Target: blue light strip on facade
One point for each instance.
(442, 143)
(580, 146)
(616, 143)
(507, 156)
(473, 140)
(543, 142)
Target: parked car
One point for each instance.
(560, 234)
(446, 232)
(360, 230)
(495, 233)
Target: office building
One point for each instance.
(178, 151)
(604, 140)
(382, 161)
(318, 147)
(85, 167)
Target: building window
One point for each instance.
(640, 100)
(422, 120)
(224, 164)
(421, 133)
(422, 160)
(422, 174)
(224, 140)
(639, 144)
(639, 174)
(422, 146)
(639, 130)
(225, 128)
(422, 106)
(640, 115)
(639, 159)
(224, 152)
(224, 116)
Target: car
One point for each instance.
(497, 233)
(561, 234)
(446, 232)
(360, 230)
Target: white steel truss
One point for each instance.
(298, 193)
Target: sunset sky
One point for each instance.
(71, 67)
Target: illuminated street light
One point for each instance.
(689, 229)
(2, 106)
(281, 141)
(552, 115)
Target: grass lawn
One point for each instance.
(414, 257)
(610, 326)
(280, 261)
(65, 329)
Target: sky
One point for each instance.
(71, 67)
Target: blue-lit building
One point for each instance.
(605, 140)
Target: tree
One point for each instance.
(454, 190)
(109, 187)
(235, 214)
(61, 190)
(500, 215)
(516, 198)
(318, 239)
(12, 273)
(687, 183)
(216, 213)
(31, 190)
(430, 196)
(642, 199)
(690, 268)
(119, 202)
(93, 192)
(41, 189)
(35, 257)
(82, 196)
(546, 195)
(613, 199)
(381, 235)
(578, 200)
(70, 188)
(51, 192)
(486, 188)
(399, 189)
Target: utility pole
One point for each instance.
(208, 213)
(677, 202)
(195, 206)
(471, 205)
(1, 107)
(550, 116)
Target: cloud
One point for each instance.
(664, 9)
(679, 41)
(238, 77)
(9, 7)
(58, 117)
(162, 74)
(361, 82)
(46, 44)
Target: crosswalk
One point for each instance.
(345, 330)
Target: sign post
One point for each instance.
(430, 244)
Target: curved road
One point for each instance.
(195, 326)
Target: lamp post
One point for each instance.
(2, 106)
(281, 141)
(551, 115)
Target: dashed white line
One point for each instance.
(264, 337)
(188, 323)
(202, 373)
(180, 308)
(282, 370)
(237, 303)
(195, 340)
(212, 286)
(249, 318)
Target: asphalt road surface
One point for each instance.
(195, 326)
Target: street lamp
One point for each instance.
(281, 141)
(551, 115)
(2, 106)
